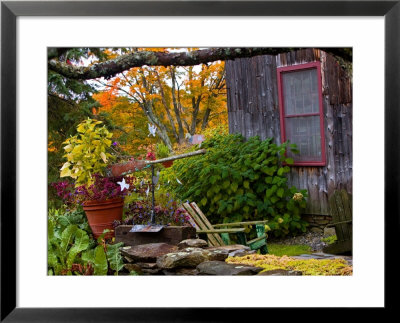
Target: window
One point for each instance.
(300, 102)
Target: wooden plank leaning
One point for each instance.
(212, 240)
(208, 225)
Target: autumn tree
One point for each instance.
(175, 100)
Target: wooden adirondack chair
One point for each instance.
(341, 209)
(220, 237)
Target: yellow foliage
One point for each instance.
(310, 267)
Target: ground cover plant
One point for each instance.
(309, 267)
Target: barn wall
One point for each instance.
(253, 109)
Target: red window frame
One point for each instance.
(288, 69)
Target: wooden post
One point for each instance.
(122, 169)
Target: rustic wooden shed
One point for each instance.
(304, 96)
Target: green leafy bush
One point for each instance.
(238, 180)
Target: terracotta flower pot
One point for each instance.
(168, 163)
(101, 215)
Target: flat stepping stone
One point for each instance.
(223, 269)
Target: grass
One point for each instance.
(288, 250)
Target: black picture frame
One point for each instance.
(10, 10)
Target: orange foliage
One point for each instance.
(124, 97)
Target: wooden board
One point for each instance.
(222, 230)
(211, 239)
(233, 224)
(206, 222)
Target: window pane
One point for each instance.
(300, 91)
(305, 133)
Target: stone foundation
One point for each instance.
(171, 235)
(317, 222)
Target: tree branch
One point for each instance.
(137, 59)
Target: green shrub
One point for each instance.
(238, 180)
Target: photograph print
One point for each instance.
(200, 161)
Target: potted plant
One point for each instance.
(88, 155)
(163, 152)
(102, 201)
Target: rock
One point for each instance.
(133, 267)
(128, 259)
(329, 232)
(281, 272)
(223, 269)
(188, 257)
(147, 252)
(181, 272)
(147, 265)
(321, 221)
(221, 253)
(194, 243)
(218, 255)
(230, 248)
(241, 253)
(316, 229)
(156, 271)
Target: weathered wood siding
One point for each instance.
(253, 109)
